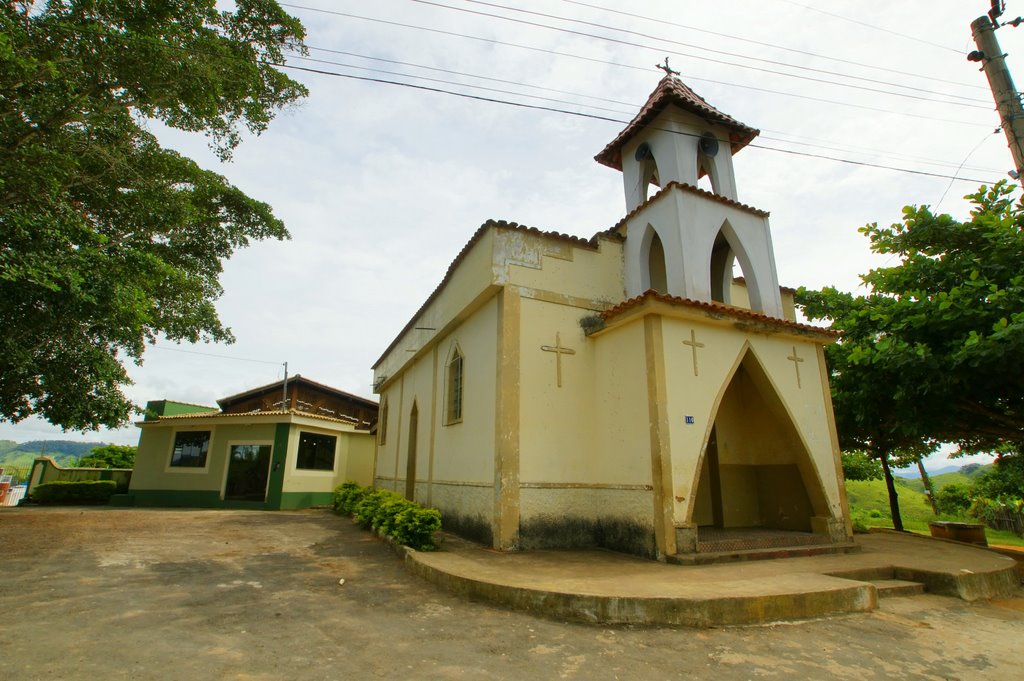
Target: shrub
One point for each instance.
(75, 492)
(953, 499)
(859, 520)
(346, 496)
(415, 526)
(391, 514)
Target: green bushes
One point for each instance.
(390, 514)
(953, 499)
(75, 492)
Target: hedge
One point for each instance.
(390, 514)
(74, 492)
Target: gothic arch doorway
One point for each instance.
(756, 472)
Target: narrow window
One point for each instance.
(382, 423)
(190, 449)
(454, 402)
(316, 452)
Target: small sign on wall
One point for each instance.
(689, 420)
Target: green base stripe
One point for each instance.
(293, 500)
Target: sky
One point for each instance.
(863, 106)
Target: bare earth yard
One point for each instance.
(149, 594)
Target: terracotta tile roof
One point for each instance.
(743, 282)
(717, 308)
(693, 190)
(591, 243)
(673, 91)
(297, 378)
(249, 414)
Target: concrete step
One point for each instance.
(889, 588)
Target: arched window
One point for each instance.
(454, 387)
(656, 265)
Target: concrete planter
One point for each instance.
(969, 533)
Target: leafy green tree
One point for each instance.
(107, 239)
(935, 351)
(857, 465)
(110, 456)
(954, 499)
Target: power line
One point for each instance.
(210, 354)
(699, 47)
(854, 149)
(774, 45)
(874, 27)
(604, 118)
(468, 75)
(618, 41)
(595, 60)
(621, 42)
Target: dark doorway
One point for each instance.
(248, 471)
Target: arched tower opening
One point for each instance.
(655, 275)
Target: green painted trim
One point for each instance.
(294, 500)
(177, 498)
(277, 463)
(173, 498)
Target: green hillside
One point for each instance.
(64, 452)
(869, 506)
(951, 478)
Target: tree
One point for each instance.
(110, 456)
(858, 465)
(935, 351)
(108, 240)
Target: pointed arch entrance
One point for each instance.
(756, 471)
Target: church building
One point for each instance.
(626, 391)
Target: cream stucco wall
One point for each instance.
(353, 455)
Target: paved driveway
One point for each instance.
(151, 594)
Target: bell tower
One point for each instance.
(682, 240)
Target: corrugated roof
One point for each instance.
(297, 378)
(250, 414)
(717, 308)
(671, 90)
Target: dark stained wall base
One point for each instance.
(473, 528)
(564, 532)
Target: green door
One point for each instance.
(248, 471)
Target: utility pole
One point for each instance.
(993, 62)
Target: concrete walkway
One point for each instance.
(606, 587)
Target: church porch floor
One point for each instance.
(727, 545)
(607, 587)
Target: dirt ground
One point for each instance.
(150, 594)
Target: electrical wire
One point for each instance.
(636, 45)
(648, 36)
(968, 156)
(775, 46)
(830, 146)
(605, 118)
(872, 26)
(210, 354)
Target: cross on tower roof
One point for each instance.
(669, 71)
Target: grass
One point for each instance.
(869, 502)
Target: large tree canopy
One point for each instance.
(935, 351)
(106, 238)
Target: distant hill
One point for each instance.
(961, 475)
(64, 452)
